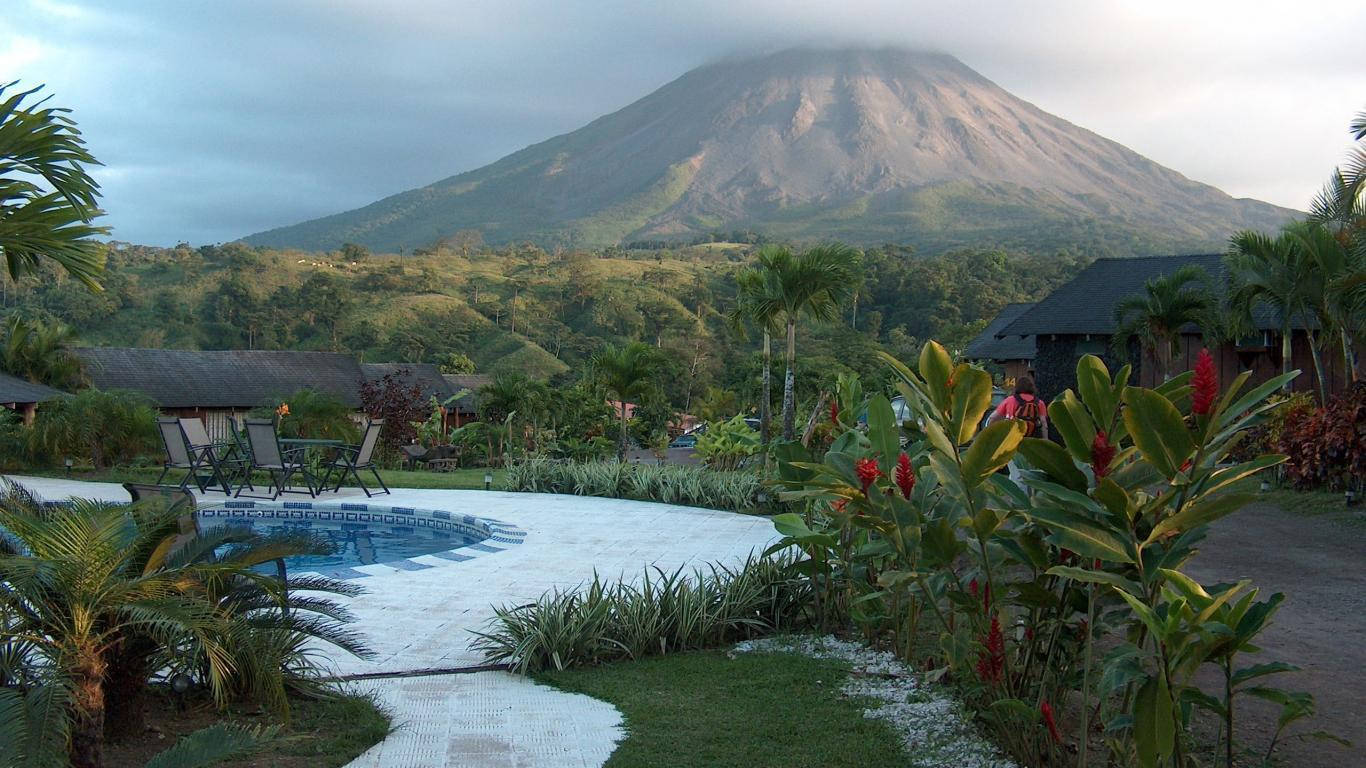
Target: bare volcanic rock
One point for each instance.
(868, 146)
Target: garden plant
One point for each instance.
(1058, 604)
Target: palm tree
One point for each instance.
(1157, 315)
(627, 373)
(41, 352)
(511, 396)
(1332, 268)
(815, 283)
(47, 199)
(1270, 271)
(750, 306)
(1341, 207)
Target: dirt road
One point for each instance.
(1319, 562)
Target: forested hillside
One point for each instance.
(523, 308)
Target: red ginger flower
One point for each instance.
(904, 475)
(834, 411)
(867, 472)
(1102, 453)
(1205, 386)
(1047, 710)
(991, 660)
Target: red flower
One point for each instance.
(1102, 453)
(905, 475)
(867, 472)
(1186, 465)
(1204, 385)
(972, 588)
(991, 660)
(1047, 710)
(834, 411)
(838, 506)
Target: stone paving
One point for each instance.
(422, 619)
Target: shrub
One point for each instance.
(725, 444)
(662, 613)
(1326, 447)
(313, 414)
(109, 428)
(1023, 582)
(667, 483)
(400, 404)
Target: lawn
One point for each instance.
(707, 710)
(395, 478)
(1327, 504)
(322, 733)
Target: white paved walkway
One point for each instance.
(422, 619)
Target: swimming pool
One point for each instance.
(366, 534)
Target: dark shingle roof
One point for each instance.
(1086, 304)
(15, 390)
(425, 375)
(471, 381)
(989, 346)
(244, 378)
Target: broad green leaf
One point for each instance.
(1054, 461)
(1095, 577)
(1084, 536)
(993, 449)
(935, 368)
(1200, 513)
(1222, 478)
(1261, 670)
(1093, 384)
(1073, 422)
(883, 432)
(1255, 396)
(985, 522)
(1157, 429)
(969, 400)
(1154, 729)
(935, 434)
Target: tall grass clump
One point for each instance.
(663, 612)
(737, 491)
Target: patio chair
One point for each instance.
(353, 458)
(178, 454)
(222, 458)
(280, 465)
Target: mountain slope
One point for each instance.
(864, 145)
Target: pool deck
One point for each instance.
(421, 619)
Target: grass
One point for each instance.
(1327, 504)
(472, 478)
(322, 733)
(706, 710)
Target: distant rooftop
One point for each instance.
(1086, 303)
(241, 378)
(989, 346)
(16, 390)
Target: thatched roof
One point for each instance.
(1086, 304)
(16, 390)
(184, 378)
(989, 346)
(471, 381)
(425, 375)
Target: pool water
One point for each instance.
(353, 543)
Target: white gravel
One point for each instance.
(933, 728)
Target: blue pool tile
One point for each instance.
(484, 548)
(407, 565)
(456, 556)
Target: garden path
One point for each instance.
(422, 619)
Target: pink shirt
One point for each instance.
(1008, 406)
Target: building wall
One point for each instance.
(1055, 363)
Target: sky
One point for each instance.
(215, 120)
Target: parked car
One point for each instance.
(686, 440)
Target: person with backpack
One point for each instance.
(1024, 406)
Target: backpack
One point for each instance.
(1028, 412)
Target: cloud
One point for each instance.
(218, 120)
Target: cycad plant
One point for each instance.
(95, 597)
(41, 351)
(47, 198)
(1157, 315)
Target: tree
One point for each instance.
(47, 199)
(455, 362)
(1341, 207)
(627, 373)
(1269, 271)
(41, 352)
(1157, 315)
(353, 252)
(815, 283)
